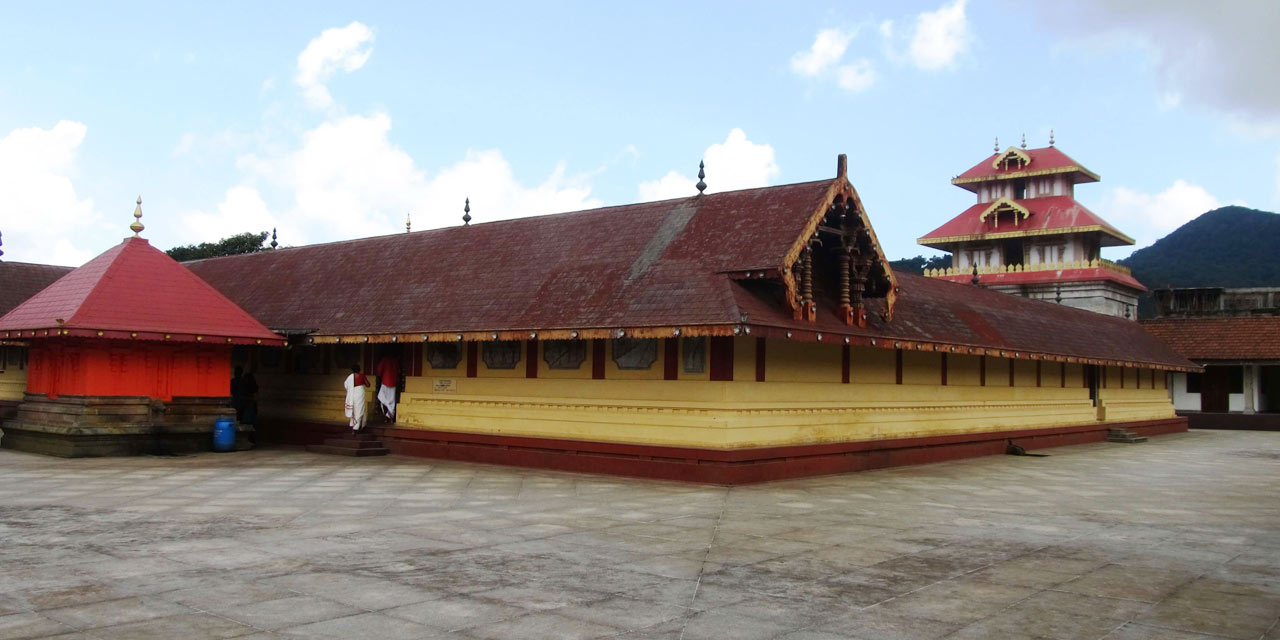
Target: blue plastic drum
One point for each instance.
(224, 435)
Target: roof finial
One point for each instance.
(274, 244)
(1051, 137)
(406, 222)
(842, 165)
(137, 227)
(1024, 141)
(997, 148)
(466, 213)
(974, 281)
(702, 185)
(1058, 297)
(1, 244)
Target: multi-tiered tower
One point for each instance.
(1028, 236)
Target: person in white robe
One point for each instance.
(355, 405)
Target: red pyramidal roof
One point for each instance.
(1044, 216)
(1041, 162)
(134, 290)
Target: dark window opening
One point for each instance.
(1235, 379)
(1193, 382)
(1019, 189)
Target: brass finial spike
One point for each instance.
(466, 213)
(274, 244)
(1058, 297)
(974, 281)
(1024, 141)
(1, 244)
(406, 222)
(702, 185)
(997, 149)
(137, 227)
(1051, 137)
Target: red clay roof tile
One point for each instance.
(1220, 338)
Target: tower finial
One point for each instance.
(1, 244)
(1051, 137)
(274, 244)
(974, 281)
(997, 148)
(466, 213)
(406, 222)
(702, 185)
(1024, 141)
(137, 227)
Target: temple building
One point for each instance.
(1235, 334)
(130, 353)
(732, 337)
(1028, 236)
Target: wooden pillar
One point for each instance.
(1012, 362)
(760, 360)
(845, 364)
(598, 345)
(473, 359)
(944, 369)
(721, 352)
(897, 366)
(1038, 363)
(670, 358)
(982, 371)
(531, 359)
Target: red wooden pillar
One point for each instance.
(897, 366)
(944, 369)
(721, 358)
(531, 359)
(760, 360)
(597, 358)
(670, 358)
(845, 364)
(473, 359)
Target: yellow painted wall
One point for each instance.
(963, 370)
(13, 373)
(789, 361)
(1024, 373)
(737, 414)
(874, 366)
(923, 368)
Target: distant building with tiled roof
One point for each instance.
(1027, 235)
(1235, 334)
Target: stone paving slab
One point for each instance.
(1175, 538)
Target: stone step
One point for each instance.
(354, 443)
(348, 451)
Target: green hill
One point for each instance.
(1227, 247)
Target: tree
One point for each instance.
(919, 263)
(248, 242)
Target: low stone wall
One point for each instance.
(1249, 422)
(91, 426)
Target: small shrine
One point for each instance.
(1027, 235)
(128, 354)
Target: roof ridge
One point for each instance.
(491, 223)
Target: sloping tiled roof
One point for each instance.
(134, 288)
(670, 264)
(1220, 338)
(1044, 160)
(21, 280)
(937, 312)
(1049, 215)
(649, 264)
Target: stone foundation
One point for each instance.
(92, 426)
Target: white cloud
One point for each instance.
(346, 178)
(736, 163)
(1214, 54)
(339, 49)
(828, 47)
(46, 220)
(940, 36)
(1147, 217)
(857, 76)
(823, 60)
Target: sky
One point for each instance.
(331, 121)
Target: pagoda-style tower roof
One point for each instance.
(1032, 217)
(134, 291)
(1014, 163)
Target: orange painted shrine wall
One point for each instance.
(126, 368)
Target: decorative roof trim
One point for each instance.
(1028, 174)
(1011, 151)
(1003, 204)
(934, 242)
(27, 335)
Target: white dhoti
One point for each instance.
(387, 397)
(355, 405)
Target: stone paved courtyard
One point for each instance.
(1175, 538)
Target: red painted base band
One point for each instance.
(729, 467)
